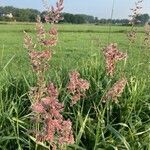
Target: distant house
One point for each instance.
(10, 15)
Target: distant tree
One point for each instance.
(42, 15)
(143, 18)
(96, 20)
(103, 21)
(28, 15)
(87, 18)
(77, 19)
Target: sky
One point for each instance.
(97, 8)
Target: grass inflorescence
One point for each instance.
(111, 109)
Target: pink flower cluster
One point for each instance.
(47, 39)
(40, 60)
(54, 14)
(41, 33)
(116, 91)
(77, 86)
(28, 43)
(52, 127)
(112, 55)
(56, 130)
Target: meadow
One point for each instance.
(125, 125)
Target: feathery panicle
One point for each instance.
(46, 107)
(133, 20)
(132, 35)
(116, 90)
(112, 55)
(46, 39)
(41, 33)
(52, 37)
(28, 43)
(54, 14)
(135, 12)
(39, 60)
(52, 91)
(55, 129)
(77, 86)
(37, 107)
(66, 133)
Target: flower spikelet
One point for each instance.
(28, 43)
(46, 39)
(135, 12)
(132, 34)
(116, 91)
(39, 60)
(55, 129)
(54, 14)
(112, 55)
(41, 33)
(77, 86)
(66, 133)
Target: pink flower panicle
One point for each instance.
(77, 86)
(39, 60)
(116, 91)
(55, 128)
(52, 38)
(28, 43)
(52, 91)
(66, 133)
(54, 14)
(38, 107)
(41, 33)
(50, 42)
(46, 39)
(45, 104)
(112, 55)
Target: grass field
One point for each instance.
(79, 48)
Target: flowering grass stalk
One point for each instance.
(50, 124)
(133, 20)
(115, 91)
(112, 56)
(77, 87)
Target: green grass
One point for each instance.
(96, 126)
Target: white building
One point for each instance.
(10, 15)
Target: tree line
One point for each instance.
(29, 15)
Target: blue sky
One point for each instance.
(99, 8)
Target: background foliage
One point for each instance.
(29, 15)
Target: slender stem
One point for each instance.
(111, 17)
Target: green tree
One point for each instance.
(143, 18)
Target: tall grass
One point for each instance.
(97, 126)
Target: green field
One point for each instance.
(79, 48)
